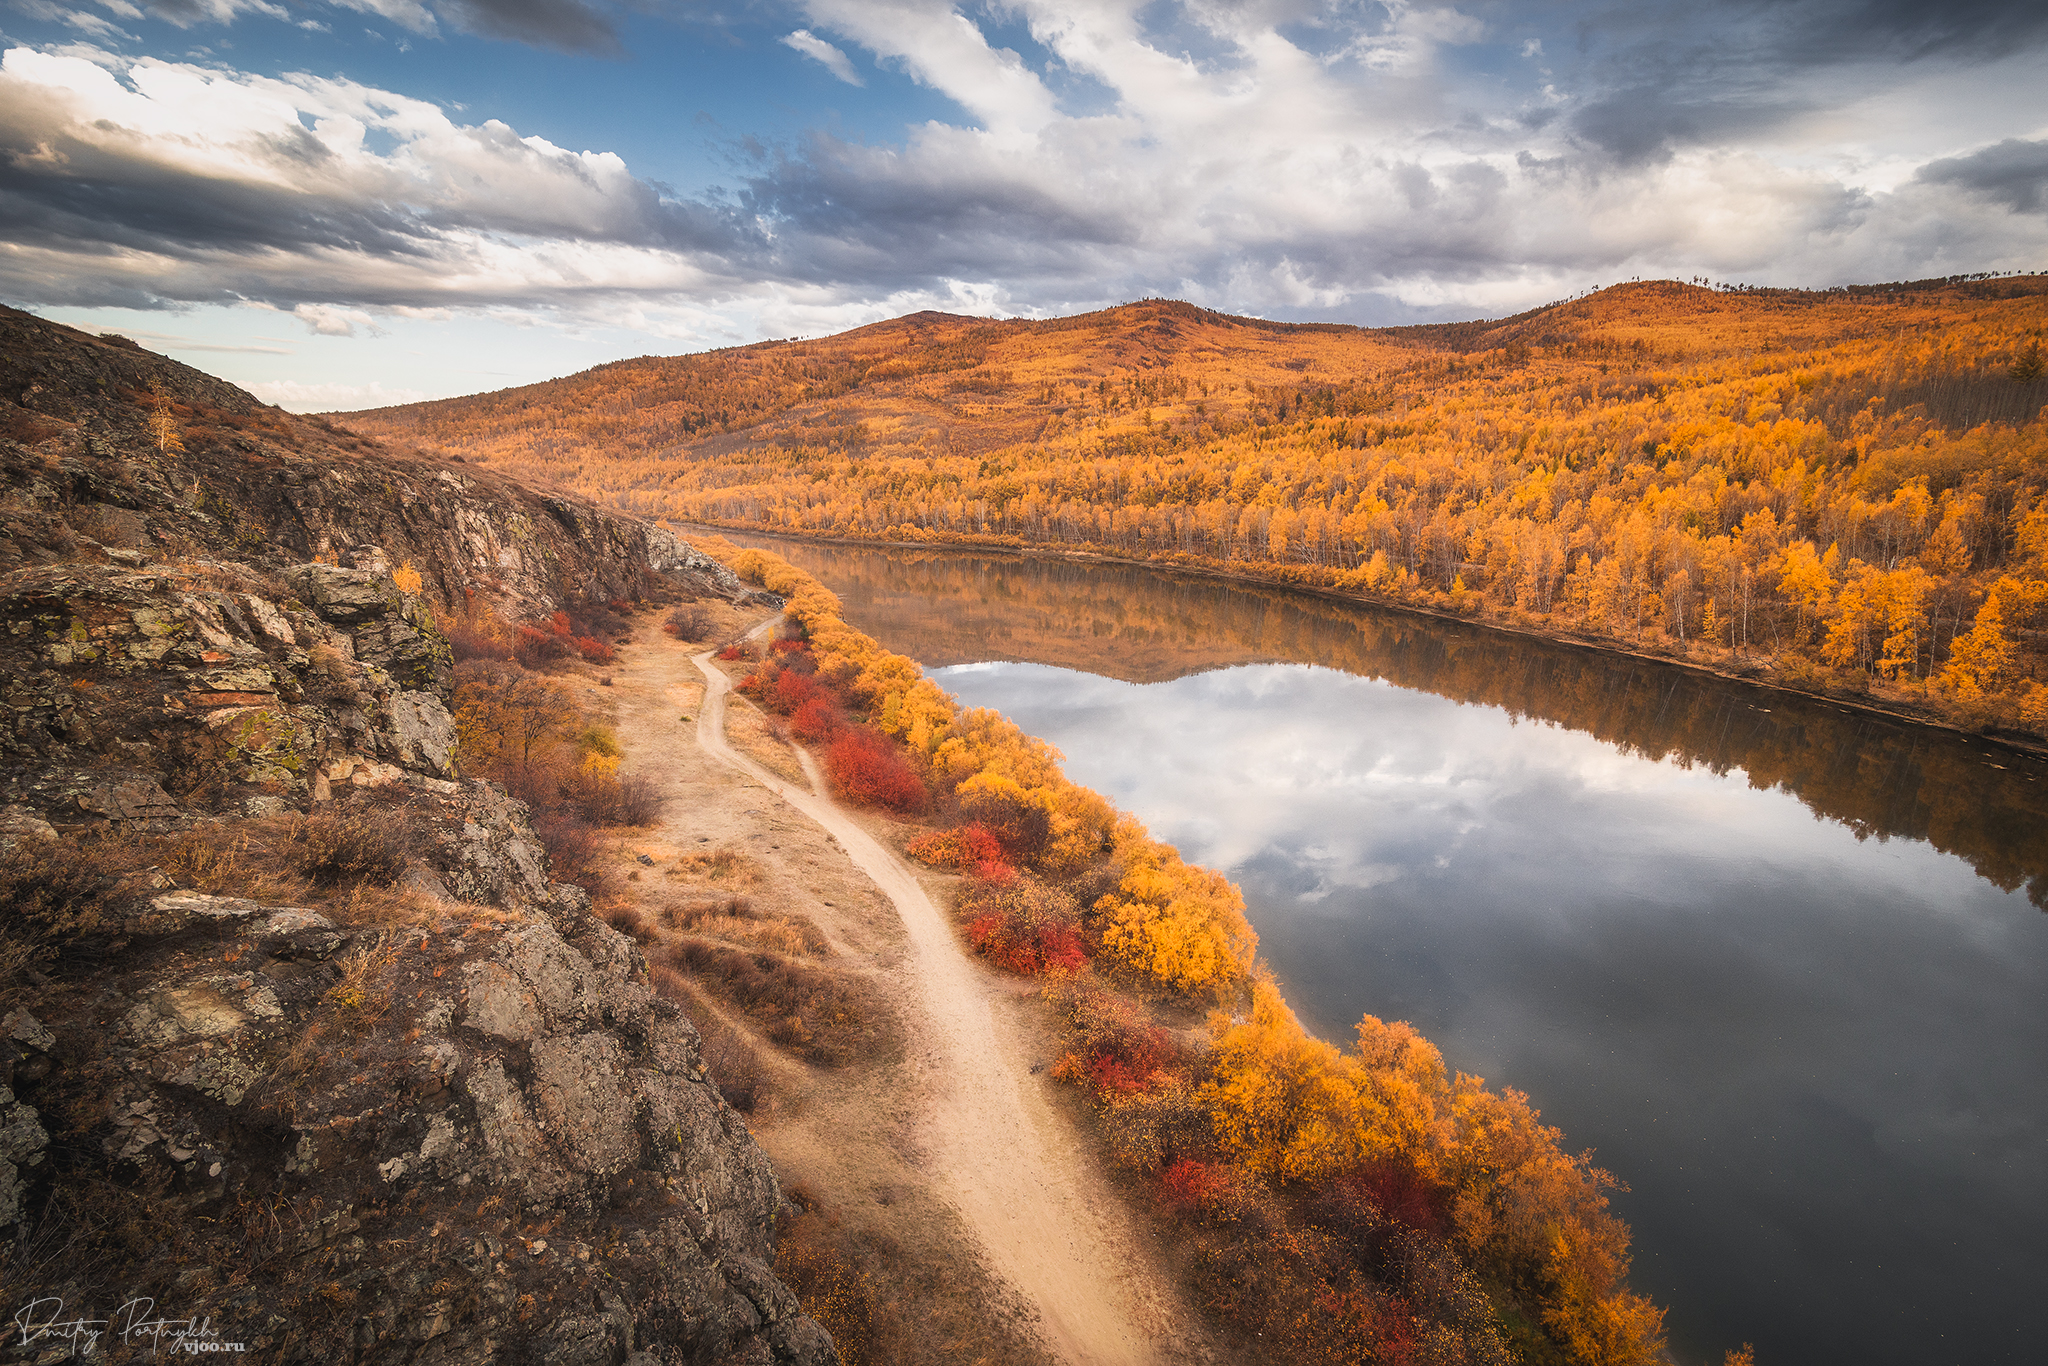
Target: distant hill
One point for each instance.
(1827, 485)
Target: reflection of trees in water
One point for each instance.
(1120, 621)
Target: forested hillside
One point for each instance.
(1844, 488)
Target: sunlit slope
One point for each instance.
(1834, 486)
(926, 384)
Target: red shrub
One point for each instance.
(594, 650)
(733, 652)
(791, 691)
(987, 931)
(867, 768)
(559, 623)
(1129, 1059)
(996, 872)
(1059, 946)
(817, 720)
(1022, 949)
(1114, 1077)
(535, 647)
(1193, 1184)
(790, 645)
(1394, 1188)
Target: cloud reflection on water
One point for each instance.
(1796, 1045)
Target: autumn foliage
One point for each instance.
(1344, 1205)
(869, 770)
(1354, 1206)
(520, 727)
(1848, 488)
(904, 745)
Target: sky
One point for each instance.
(346, 203)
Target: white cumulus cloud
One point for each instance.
(818, 50)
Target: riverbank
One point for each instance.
(1326, 1205)
(1756, 675)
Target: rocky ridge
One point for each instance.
(448, 1125)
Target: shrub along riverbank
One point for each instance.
(1335, 1205)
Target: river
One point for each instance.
(1781, 964)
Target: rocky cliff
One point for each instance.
(302, 1048)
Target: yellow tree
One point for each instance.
(1980, 660)
(163, 420)
(1183, 925)
(1282, 1103)
(1805, 580)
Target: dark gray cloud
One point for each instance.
(273, 213)
(1654, 79)
(2013, 173)
(1838, 30)
(894, 222)
(564, 25)
(1647, 123)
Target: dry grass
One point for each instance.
(777, 936)
(357, 1000)
(823, 1017)
(244, 858)
(368, 904)
(53, 904)
(332, 677)
(755, 736)
(882, 1303)
(736, 919)
(727, 1053)
(724, 865)
(282, 1086)
(351, 845)
(63, 898)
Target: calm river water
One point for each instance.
(1775, 961)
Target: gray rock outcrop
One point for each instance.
(463, 1131)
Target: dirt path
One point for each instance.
(961, 1122)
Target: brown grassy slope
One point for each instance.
(927, 381)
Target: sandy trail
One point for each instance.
(994, 1147)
